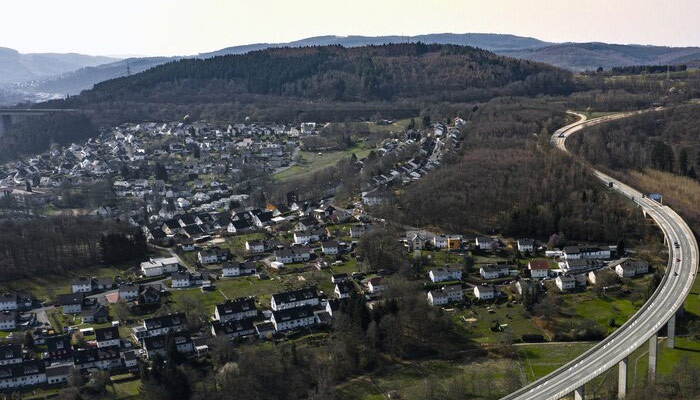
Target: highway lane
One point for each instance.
(662, 305)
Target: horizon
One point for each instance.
(175, 28)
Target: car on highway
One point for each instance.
(678, 260)
(676, 245)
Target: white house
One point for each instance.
(578, 252)
(437, 298)
(415, 242)
(8, 301)
(565, 282)
(108, 336)
(292, 255)
(376, 285)
(233, 329)
(240, 308)
(81, 285)
(10, 354)
(445, 274)
(163, 324)
(293, 318)
(538, 268)
(295, 298)
(493, 271)
(8, 320)
(254, 246)
(447, 294)
(484, 292)
(58, 373)
(485, 242)
(160, 266)
(330, 247)
(27, 373)
(526, 245)
(180, 280)
(128, 291)
(344, 289)
(230, 270)
(207, 257)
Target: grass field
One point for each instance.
(539, 359)
(476, 323)
(310, 161)
(49, 285)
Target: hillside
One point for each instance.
(590, 56)
(16, 67)
(407, 74)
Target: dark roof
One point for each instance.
(56, 343)
(291, 314)
(236, 306)
(160, 341)
(83, 356)
(26, 368)
(241, 224)
(165, 321)
(58, 370)
(295, 295)
(70, 299)
(233, 326)
(10, 351)
(108, 333)
(345, 287)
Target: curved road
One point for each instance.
(668, 298)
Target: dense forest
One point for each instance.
(56, 244)
(37, 134)
(656, 151)
(507, 179)
(404, 74)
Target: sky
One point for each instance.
(180, 27)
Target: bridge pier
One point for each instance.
(653, 348)
(622, 379)
(580, 393)
(671, 332)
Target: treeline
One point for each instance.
(664, 140)
(263, 80)
(56, 244)
(402, 328)
(507, 179)
(648, 69)
(37, 134)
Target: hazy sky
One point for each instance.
(181, 27)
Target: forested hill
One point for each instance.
(412, 73)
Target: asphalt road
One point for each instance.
(636, 332)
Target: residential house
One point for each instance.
(446, 294)
(292, 255)
(254, 247)
(71, 303)
(26, 373)
(484, 292)
(180, 280)
(357, 231)
(538, 268)
(580, 252)
(330, 247)
(97, 358)
(628, 269)
(376, 285)
(58, 373)
(128, 291)
(344, 289)
(163, 324)
(233, 329)
(486, 243)
(493, 271)
(10, 353)
(58, 347)
(565, 282)
(108, 336)
(8, 301)
(237, 309)
(295, 298)
(81, 285)
(206, 257)
(160, 266)
(264, 329)
(336, 278)
(157, 344)
(94, 314)
(129, 359)
(8, 320)
(415, 242)
(445, 274)
(293, 318)
(526, 245)
(106, 283)
(579, 265)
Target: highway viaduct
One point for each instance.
(643, 327)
